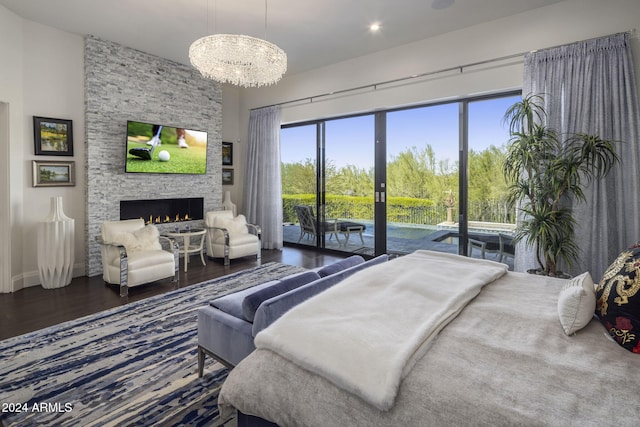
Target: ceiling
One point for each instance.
(313, 33)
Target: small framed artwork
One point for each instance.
(52, 137)
(53, 173)
(227, 176)
(227, 154)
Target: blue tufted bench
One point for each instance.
(227, 326)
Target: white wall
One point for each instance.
(11, 48)
(562, 23)
(43, 78)
(53, 73)
(231, 132)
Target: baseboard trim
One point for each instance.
(32, 278)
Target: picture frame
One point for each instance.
(227, 176)
(54, 173)
(52, 137)
(227, 154)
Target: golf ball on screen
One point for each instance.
(164, 156)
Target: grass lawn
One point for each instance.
(192, 160)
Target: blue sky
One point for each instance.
(351, 140)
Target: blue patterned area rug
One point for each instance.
(131, 365)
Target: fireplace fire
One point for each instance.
(167, 218)
(162, 211)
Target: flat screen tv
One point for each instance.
(155, 148)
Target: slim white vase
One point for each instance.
(227, 204)
(56, 247)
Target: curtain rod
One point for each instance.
(461, 68)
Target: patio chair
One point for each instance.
(478, 245)
(506, 247)
(307, 221)
(503, 250)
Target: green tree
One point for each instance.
(351, 181)
(488, 190)
(299, 178)
(408, 173)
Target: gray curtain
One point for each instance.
(590, 87)
(263, 183)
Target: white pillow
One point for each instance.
(148, 238)
(577, 303)
(144, 239)
(234, 226)
(128, 240)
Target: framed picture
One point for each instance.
(227, 154)
(227, 176)
(53, 173)
(52, 137)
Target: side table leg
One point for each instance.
(186, 252)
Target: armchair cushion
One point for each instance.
(235, 239)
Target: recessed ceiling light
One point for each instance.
(375, 27)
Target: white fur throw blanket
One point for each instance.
(365, 333)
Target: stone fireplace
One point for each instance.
(124, 84)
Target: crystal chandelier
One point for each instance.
(238, 59)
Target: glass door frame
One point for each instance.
(380, 173)
(380, 184)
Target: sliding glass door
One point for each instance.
(490, 220)
(299, 146)
(427, 177)
(422, 176)
(349, 183)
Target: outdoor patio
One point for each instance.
(401, 239)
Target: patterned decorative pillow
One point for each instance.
(618, 299)
(576, 303)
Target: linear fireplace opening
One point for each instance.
(160, 211)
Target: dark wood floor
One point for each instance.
(35, 308)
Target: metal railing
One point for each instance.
(485, 211)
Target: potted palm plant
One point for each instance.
(546, 174)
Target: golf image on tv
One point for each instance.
(165, 149)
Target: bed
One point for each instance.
(501, 359)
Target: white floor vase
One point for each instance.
(227, 204)
(56, 247)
